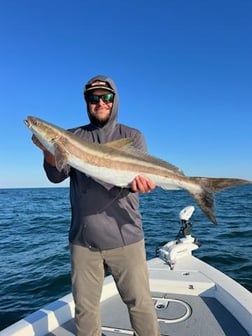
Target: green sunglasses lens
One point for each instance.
(93, 99)
(107, 98)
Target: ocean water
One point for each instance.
(34, 254)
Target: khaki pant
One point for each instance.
(128, 267)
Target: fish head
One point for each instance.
(45, 132)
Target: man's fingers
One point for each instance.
(37, 142)
(142, 184)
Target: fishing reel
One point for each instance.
(184, 243)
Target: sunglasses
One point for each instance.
(106, 98)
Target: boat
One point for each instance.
(190, 297)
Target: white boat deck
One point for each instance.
(178, 314)
(193, 299)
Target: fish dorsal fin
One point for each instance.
(122, 144)
(126, 145)
(154, 160)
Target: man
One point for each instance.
(106, 228)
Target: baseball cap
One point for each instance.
(98, 85)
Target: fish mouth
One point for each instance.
(27, 123)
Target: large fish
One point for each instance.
(118, 163)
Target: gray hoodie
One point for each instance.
(103, 216)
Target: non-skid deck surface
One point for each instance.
(183, 315)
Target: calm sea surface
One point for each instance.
(34, 254)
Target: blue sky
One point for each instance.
(183, 70)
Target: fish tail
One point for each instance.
(205, 197)
(217, 184)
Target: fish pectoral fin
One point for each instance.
(61, 157)
(123, 144)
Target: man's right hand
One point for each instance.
(48, 156)
(36, 142)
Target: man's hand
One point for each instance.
(142, 185)
(38, 143)
(48, 156)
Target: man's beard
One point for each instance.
(99, 123)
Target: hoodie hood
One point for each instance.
(110, 85)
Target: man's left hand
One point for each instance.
(142, 184)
